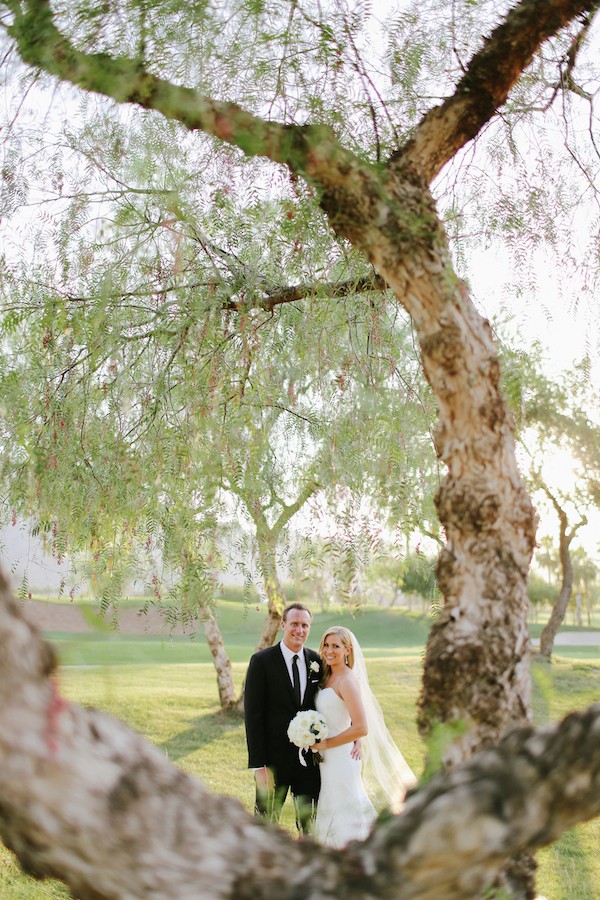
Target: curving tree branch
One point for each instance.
(41, 44)
(485, 86)
(487, 82)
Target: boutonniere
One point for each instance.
(315, 667)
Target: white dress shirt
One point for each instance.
(288, 655)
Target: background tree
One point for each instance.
(408, 577)
(585, 573)
(200, 406)
(556, 416)
(547, 557)
(541, 593)
(419, 578)
(385, 577)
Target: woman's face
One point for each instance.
(334, 651)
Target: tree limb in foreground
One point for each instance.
(85, 799)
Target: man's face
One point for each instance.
(296, 628)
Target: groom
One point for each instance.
(282, 680)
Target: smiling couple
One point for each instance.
(330, 799)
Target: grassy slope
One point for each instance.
(173, 701)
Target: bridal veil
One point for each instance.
(386, 773)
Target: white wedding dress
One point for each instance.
(344, 811)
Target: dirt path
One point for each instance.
(575, 639)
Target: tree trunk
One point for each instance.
(476, 679)
(222, 664)
(559, 609)
(267, 555)
(476, 673)
(267, 543)
(267, 538)
(196, 606)
(550, 629)
(85, 799)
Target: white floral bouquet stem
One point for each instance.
(308, 727)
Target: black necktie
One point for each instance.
(296, 679)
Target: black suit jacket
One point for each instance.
(270, 706)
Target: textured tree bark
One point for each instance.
(85, 799)
(489, 76)
(222, 664)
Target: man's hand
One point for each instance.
(356, 752)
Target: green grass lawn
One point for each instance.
(166, 689)
(569, 869)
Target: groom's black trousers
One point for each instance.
(304, 783)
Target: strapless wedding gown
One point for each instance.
(344, 811)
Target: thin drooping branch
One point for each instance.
(85, 799)
(567, 79)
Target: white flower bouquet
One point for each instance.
(308, 727)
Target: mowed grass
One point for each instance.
(569, 869)
(166, 690)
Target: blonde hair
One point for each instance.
(346, 639)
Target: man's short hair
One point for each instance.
(295, 605)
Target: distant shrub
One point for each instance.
(540, 592)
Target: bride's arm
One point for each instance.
(350, 694)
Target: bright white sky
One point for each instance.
(567, 334)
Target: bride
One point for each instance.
(344, 810)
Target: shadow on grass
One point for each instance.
(203, 731)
